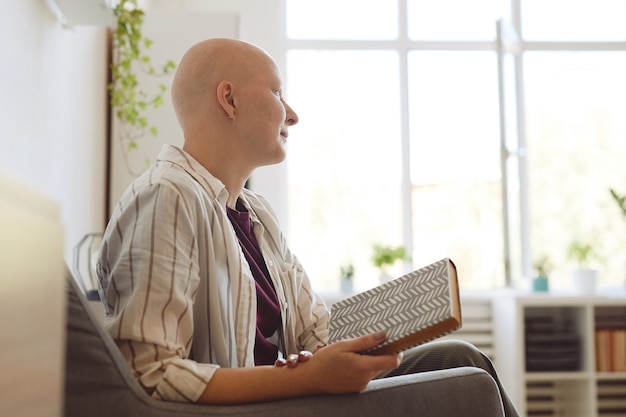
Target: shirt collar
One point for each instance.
(177, 156)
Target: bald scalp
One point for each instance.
(203, 67)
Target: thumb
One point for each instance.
(359, 344)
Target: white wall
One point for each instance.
(53, 111)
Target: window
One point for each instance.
(576, 129)
(344, 173)
(400, 140)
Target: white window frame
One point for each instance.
(272, 181)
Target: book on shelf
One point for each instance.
(618, 345)
(413, 309)
(610, 350)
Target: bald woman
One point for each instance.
(203, 296)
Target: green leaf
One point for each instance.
(169, 66)
(387, 255)
(620, 200)
(158, 101)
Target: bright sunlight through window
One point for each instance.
(414, 133)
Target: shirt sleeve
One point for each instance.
(149, 274)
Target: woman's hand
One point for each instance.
(351, 371)
(342, 368)
(293, 359)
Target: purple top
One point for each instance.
(268, 308)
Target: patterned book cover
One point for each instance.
(414, 308)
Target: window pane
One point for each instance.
(342, 19)
(455, 165)
(454, 19)
(574, 20)
(575, 105)
(344, 170)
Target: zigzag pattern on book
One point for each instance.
(410, 303)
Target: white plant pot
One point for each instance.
(585, 280)
(346, 285)
(384, 277)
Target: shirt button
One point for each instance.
(270, 263)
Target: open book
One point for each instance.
(414, 308)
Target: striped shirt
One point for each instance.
(179, 294)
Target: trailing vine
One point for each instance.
(130, 54)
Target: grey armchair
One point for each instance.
(99, 383)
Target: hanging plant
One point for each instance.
(129, 102)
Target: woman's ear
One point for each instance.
(226, 99)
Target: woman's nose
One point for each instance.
(292, 117)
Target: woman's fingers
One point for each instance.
(292, 360)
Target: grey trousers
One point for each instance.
(446, 354)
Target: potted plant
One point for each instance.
(346, 280)
(584, 275)
(385, 256)
(129, 102)
(542, 266)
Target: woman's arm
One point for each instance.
(338, 368)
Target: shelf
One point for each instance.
(556, 376)
(536, 328)
(608, 376)
(612, 397)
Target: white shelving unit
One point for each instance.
(559, 377)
